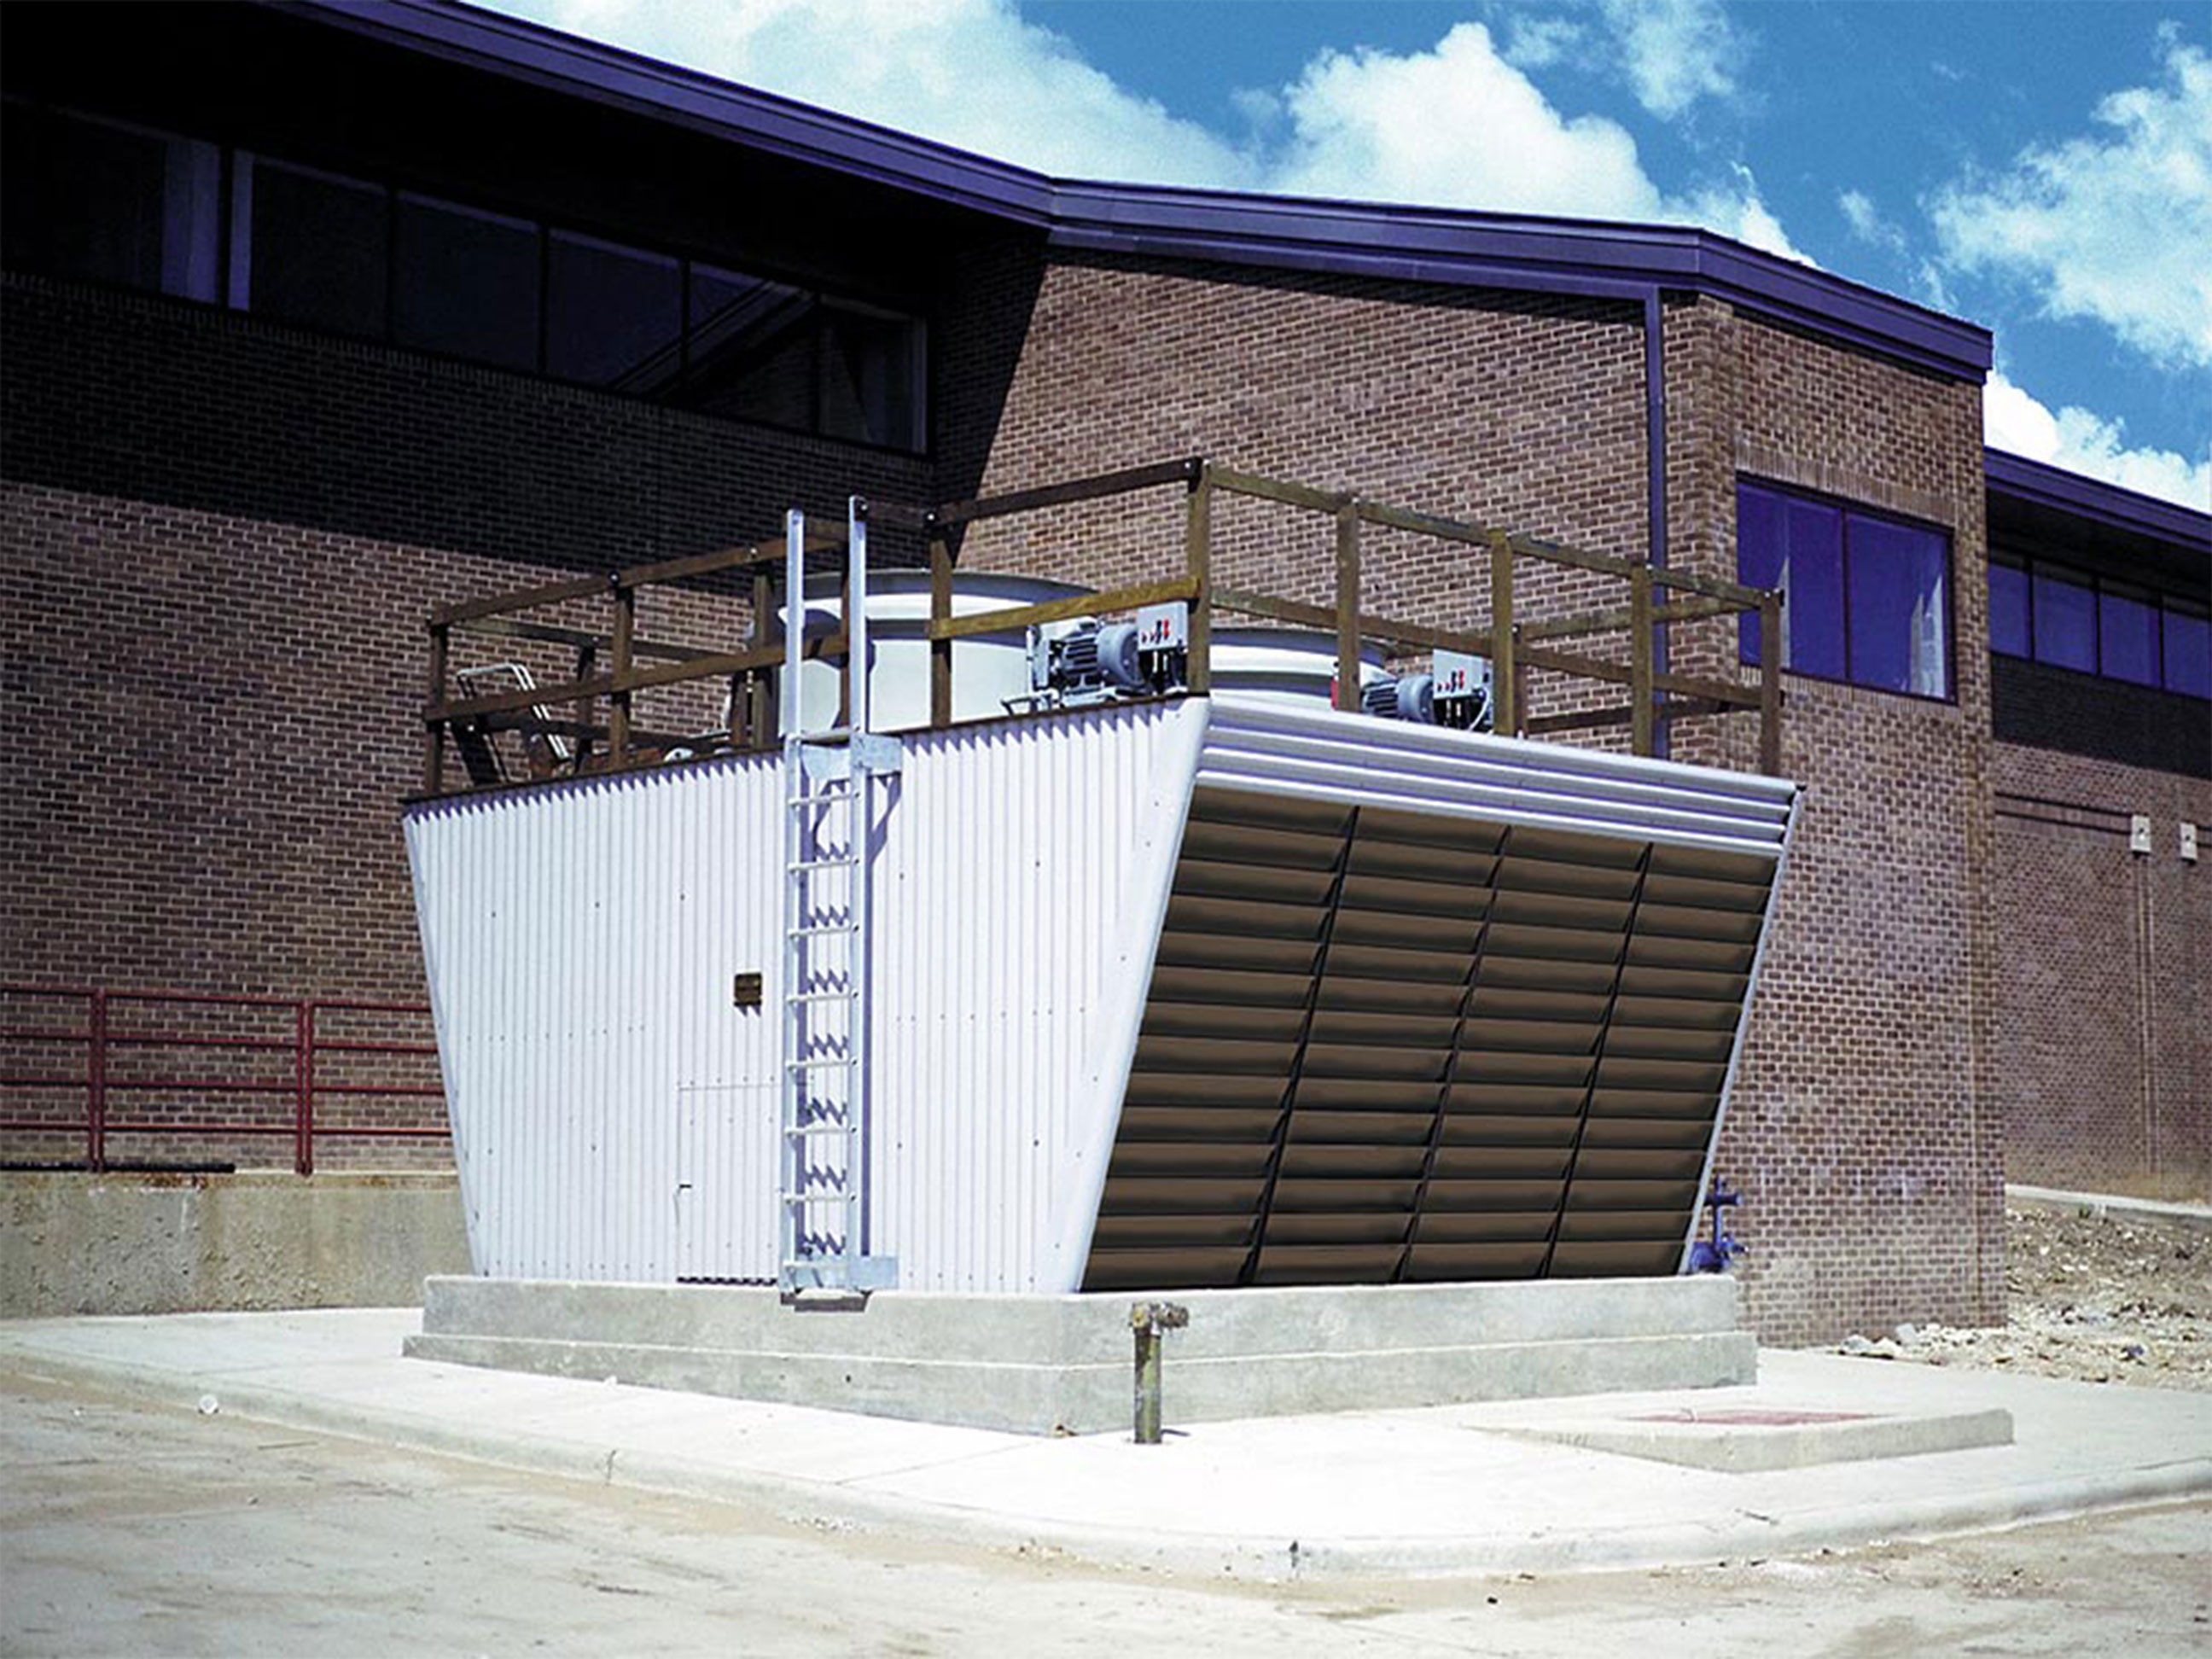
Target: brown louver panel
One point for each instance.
(1382, 1045)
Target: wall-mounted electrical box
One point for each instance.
(2139, 833)
(2188, 842)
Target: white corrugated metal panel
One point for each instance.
(616, 1117)
(1281, 748)
(1019, 898)
(580, 940)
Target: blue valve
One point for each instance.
(1713, 1255)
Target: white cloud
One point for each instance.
(1536, 42)
(2081, 441)
(970, 73)
(1866, 221)
(2116, 226)
(1456, 125)
(1675, 51)
(1740, 213)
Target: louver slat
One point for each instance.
(1384, 1045)
(1228, 1009)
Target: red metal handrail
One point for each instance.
(306, 1044)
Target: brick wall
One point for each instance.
(221, 539)
(1499, 408)
(1861, 1127)
(2103, 1073)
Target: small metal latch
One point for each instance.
(1149, 1320)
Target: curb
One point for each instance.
(838, 1507)
(2104, 1205)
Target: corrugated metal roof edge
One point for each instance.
(1454, 247)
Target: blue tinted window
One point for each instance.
(752, 349)
(1899, 608)
(871, 377)
(315, 249)
(614, 316)
(2008, 631)
(109, 203)
(1798, 547)
(2188, 651)
(2065, 623)
(2127, 636)
(1758, 557)
(467, 283)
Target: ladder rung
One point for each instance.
(819, 929)
(798, 1129)
(822, 996)
(846, 863)
(827, 797)
(816, 1065)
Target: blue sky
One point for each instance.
(2043, 169)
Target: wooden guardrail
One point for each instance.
(1512, 644)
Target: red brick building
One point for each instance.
(281, 371)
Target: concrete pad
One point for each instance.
(1061, 1364)
(1440, 1490)
(1738, 1440)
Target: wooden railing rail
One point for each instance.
(609, 661)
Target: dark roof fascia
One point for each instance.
(1460, 248)
(2040, 484)
(521, 50)
(1588, 257)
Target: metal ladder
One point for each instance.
(823, 1245)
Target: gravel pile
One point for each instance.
(2092, 1297)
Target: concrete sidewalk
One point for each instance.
(1443, 1489)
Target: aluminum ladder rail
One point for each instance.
(825, 1210)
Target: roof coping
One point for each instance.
(1454, 247)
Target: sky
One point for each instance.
(2043, 169)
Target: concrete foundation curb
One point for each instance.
(1740, 1534)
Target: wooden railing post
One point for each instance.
(1769, 685)
(761, 684)
(1198, 562)
(580, 711)
(625, 632)
(1506, 712)
(941, 611)
(433, 732)
(1639, 660)
(1348, 607)
(95, 1086)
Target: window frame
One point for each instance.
(244, 166)
(228, 285)
(205, 259)
(2163, 602)
(1847, 510)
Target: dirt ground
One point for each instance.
(127, 1529)
(2093, 1298)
